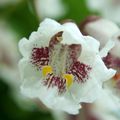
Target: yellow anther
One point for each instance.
(59, 39)
(46, 69)
(69, 79)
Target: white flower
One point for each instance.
(108, 8)
(50, 8)
(108, 32)
(103, 30)
(62, 67)
(105, 108)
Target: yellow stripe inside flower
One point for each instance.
(69, 79)
(46, 70)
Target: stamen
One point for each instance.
(46, 70)
(69, 79)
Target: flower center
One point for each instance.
(59, 64)
(68, 77)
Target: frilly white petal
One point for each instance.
(71, 34)
(69, 39)
(73, 29)
(86, 92)
(28, 71)
(49, 97)
(33, 87)
(100, 71)
(91, 89)
(95, 44)
(46, 28)
(49, 28)
(89, 50)
(23, 47)
(109, 45)
(41, 38)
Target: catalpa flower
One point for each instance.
(62, 67)
(109, 9)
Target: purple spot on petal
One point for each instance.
(80, 71)
(52, 81)
(40, 56)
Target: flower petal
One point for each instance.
(90, 90)
(40, 38)
(73, 29)
(50, 97)
(28, 71)
(33, 87)
(104, 51)
(89, 50)
(71, 34)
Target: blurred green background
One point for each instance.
(23, 19)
